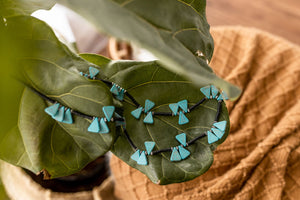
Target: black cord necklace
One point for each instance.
(63, 114)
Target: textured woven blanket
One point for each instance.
(261, 157)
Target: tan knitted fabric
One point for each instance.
(261, 157)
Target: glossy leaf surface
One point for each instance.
(47, 66)
(151, 81)
(173, 30)
(9, 8)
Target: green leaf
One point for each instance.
(150, 81)
(173, 30)
(61, 149)
(95, 59)
(10, 8)
(49, 67)
(9, 87)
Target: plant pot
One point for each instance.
(89, 184)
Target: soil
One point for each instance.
(89, 177)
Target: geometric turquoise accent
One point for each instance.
(211, 137)
(182, 119)
(68, 117)
(93, 72)
(183, 152)
(220, 97)
(224, 95)
(52, 110)
(142, 159)
(174, 108)
(181, 138)
(214, 91)
(183, 105)
(175, 156)
(135, 156)
(137, 112)
(149, 118)
(108, 112)
(217, 132)
(220, 125)
(114, 89)
(148, 105)
(149, 146)
(206, 91)
(120, 96)
(60, 114)
(103, 126)
(94, 126)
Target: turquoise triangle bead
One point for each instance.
(135, 156)
(183, 105)
(214, 91)
(114, 89)
(206, 91)
(175, 156)
(68, 117)
(182, 119)
(93, 71)
(148, 105)
(149, 146)
(220, 97)
(149, 118)
(224, 95)
(60, 114)
(120, 96)
(211, 137)
(94, 126)
(181, 138)
(183, 152)
(217, 132)
(220, 125)
(108, 112)
(52, 110)
(137, 112)
(174, 108)
(142, 159)
(103, 126)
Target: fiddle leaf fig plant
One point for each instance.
(144, 128)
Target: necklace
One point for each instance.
(99, 125)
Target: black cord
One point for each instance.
(132, 99)
(129, 140)
(42, 95)
(162, 114)
(218, 111)
(161, 151)
(197, 104)
(196, 138)
(82, 115)
(138, 105)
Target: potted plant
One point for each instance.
(62, 110)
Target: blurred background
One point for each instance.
(281, 18)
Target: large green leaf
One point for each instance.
(10, 8)
(47, 66)
(173, 30)
(150, 81)
(59, 148)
